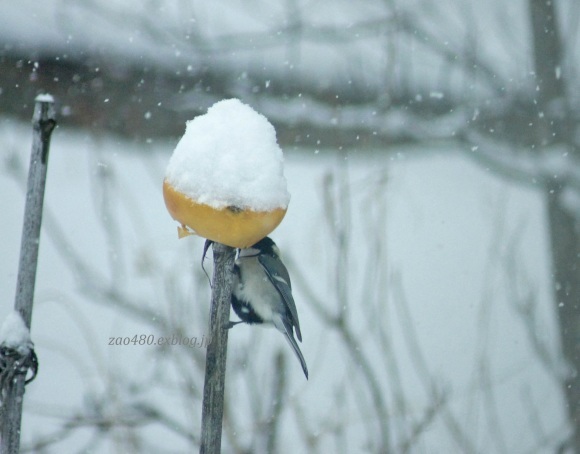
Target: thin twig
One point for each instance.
(273, 422)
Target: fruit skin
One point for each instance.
(231, 226)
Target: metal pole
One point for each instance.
(215, 365)
(43, 122)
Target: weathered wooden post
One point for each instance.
(16, 360)
(217, 350)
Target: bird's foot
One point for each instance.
(230, 325)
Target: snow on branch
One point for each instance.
(14, 334)
(17, 356)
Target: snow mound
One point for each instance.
(230, 157)
(15, 334)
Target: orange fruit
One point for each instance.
(231, 226)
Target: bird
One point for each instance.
(262, 293)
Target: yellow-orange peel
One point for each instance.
(233, 226)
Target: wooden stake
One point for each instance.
(217, 350)
(43, 122)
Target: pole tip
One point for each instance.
(44, 98)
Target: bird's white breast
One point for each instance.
(256, 289)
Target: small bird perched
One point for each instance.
(262, 292)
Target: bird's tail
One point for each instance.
(285, 327)
(294, 345)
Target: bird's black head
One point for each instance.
(267, 246)
(263, 247)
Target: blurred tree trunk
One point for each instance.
(565, 242)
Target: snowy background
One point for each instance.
(448, 229)
(439, 264)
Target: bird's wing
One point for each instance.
(278, 275)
